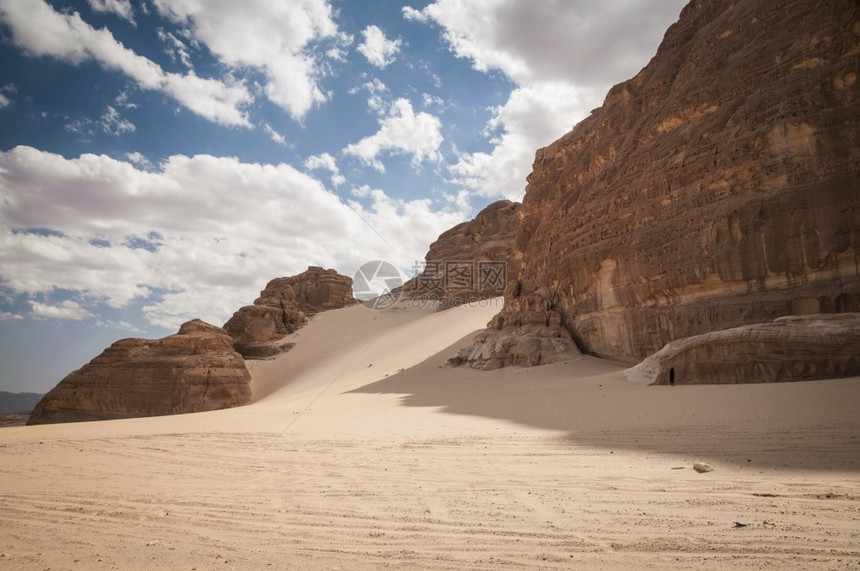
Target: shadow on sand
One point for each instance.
(801, 426)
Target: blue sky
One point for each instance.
(161, 160)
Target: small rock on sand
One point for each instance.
(701, 467)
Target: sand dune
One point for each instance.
(364, 452)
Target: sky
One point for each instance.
(162, 160)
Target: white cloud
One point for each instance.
(432, 101)
(327, 162)
(113, 124)
(6, 316)
(276, 37)
(122, 100)
(68, 309)
(402, 131)
(378, 92)
(121, 8)
(175, 47)
(563, 56)
(5, 100)
(140, 160)
(410, 13)
(274, 135)
(41, 31)
(403, 224)
(592, 43)
(379, 50)
(198, 237)
(530, 119)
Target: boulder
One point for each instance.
(194, 370)
(471, 261)
(283, 307)
(719, 187)
(703, 468)
(796, 348)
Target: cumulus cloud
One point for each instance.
(562, 56)
(275, 37)
(404, 224)
(40, 30)
(198, 236)
(327, 162)
(592, 43)
(530, 119)
(68, 309)
(402, 131)
(121, 8)
(379, 50)
(378, 94)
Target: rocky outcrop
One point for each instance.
(471, 261)
(796, 348)
(283, 307)
(526, 345)
(194, 370)
(720, 187)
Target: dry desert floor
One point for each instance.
(362, 451)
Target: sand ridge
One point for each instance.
(377, 456)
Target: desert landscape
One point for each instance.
(373, 454)
(651, 362)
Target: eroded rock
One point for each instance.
(194, 370)
(796, 348)
(283, 307)
(471, 261)
(720, 187)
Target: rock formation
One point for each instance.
(526, 345)
(796, 348)
(283, 307)
(471, 261)
(194, 370)
(720, 187)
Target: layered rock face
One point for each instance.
(195, 370)
(471, 261)
(795, 348)
(719, 187)
(283, 307)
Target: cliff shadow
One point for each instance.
(800, 426)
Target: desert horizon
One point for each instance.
(371, 453)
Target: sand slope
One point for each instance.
(347, 462)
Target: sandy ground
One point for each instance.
(363, 452)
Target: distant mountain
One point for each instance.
(18, 402)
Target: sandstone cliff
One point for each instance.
(720, 187)
(283, 307)
(796, 348)
(194, 370)
(471, 261)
